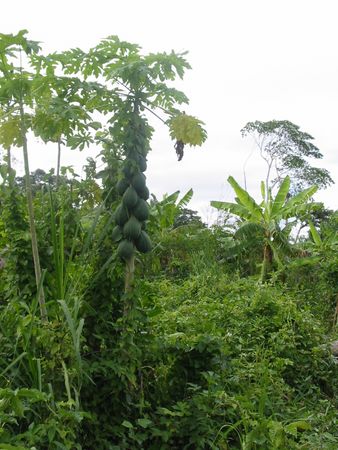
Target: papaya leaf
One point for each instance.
(187, 129)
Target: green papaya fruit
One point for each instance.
(126, 249)
(143, 243)
(141, 210)
(144, 194)
(130, 198)
(122, 185)
(142, 163)
(138, 181)
(121, 215)
(129, 168)
(117, 233)
(132, 229)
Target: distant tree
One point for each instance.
(188, 217)
(286, 148)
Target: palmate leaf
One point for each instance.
(280, 197)
(246, 200)
(166, 66)
(162, 95)
(8, 41)
(187, 129)
(10, 132)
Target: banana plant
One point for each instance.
(273, 218)
(164, 212)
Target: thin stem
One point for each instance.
(267, 182)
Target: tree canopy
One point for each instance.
(286, 150)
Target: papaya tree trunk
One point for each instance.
(130, 272)
(129, 282)
(35, 251)
(9, 171)
(9, 160)
(58, 164)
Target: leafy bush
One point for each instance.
(239, 363)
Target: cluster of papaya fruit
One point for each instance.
(133, 211)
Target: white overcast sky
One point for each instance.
(251, 60)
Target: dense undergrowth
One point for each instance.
(204, 358)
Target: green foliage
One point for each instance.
(258, 354)
(163, 213)
(187, 129)
(265, 221)
(285, 146)
(193, 356)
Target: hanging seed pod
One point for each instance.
(141, 210)
(126, 249)
(121, 215)
(130, 198)
(132, 229)
(122, 185)
(138, 181)
(117, 233)
(143, 243)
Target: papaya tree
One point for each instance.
(16, 94)
(60, 107)
(270, 221)
(139, 84)
(64, 107)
